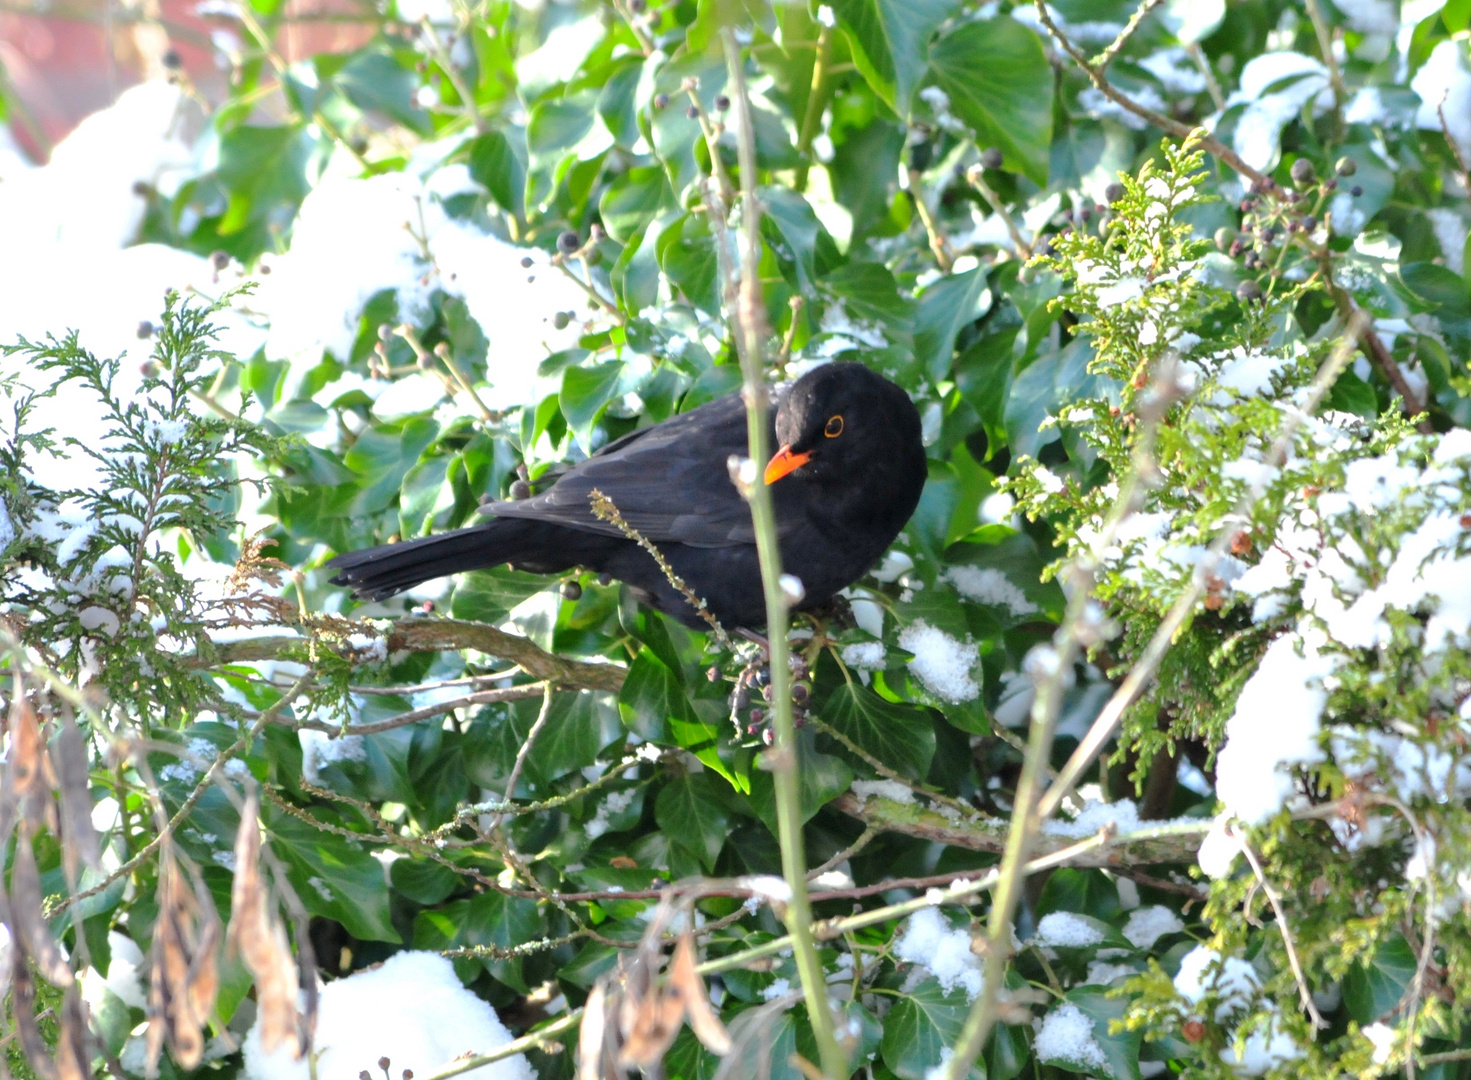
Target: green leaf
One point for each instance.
(823, 778)
(789, 216)
(688, 809)
(374, 81)
(491, 918)
(1374, 989)
(633, 200)
(922, 1025)
(687, 256)
(490, 595)
(944, 308)
(1083, 892)
(1121, 1049)
(891, 42)
(653, 705)
(496, 163)
(382, 456)
(1000, 84)
(901, 736)
(335, 877)
(424, 882)
(585, 392)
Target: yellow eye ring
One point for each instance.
(834, 427)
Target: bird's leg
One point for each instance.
(759, 639)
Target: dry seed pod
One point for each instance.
(260, 940)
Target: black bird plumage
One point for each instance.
(852, 464)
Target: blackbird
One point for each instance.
(848, 475)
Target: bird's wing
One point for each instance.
(670, 482)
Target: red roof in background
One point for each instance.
(81, 54)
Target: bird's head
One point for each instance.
(840, 420)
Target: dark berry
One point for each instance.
(1331, 184)
(172, 60)
(693, 112)
(520, 490)
(568, 242)
(1114, 192)
(713, 673)
(801, 692)
(526, 262)
(571, 590)
(605, 580)
(661, 101)
(1356, 191)
(1302, 171)
(1346, 166)
(561, 319)
(992, 158)
(1268, 234)
(1309, 223)
(1248, 292)
(219, 260)
(722, 103)
(145, 330)
(638, 7)
(1225, 238)
(1237, 247)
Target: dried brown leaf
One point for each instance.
(702, 1018)
(590, 1035)
(185, 976)
(26, 917)
(73, 1062)
(260, 940)
(69, 761)
(650, 1028)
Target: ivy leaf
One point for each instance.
(688, 809)
(1000, 84)
(585, 392)
(335, 877)
(1374, 989)
(500, 165)
(633, 200)
(944, 308)
(890, 42)
(653, 704)
(823, 778)
(922, 1025)
(1120, 1049)
(374, 81)
(901, 736)
(490, 595)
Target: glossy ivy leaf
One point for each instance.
(900, 736)
(1121, 1048)
(689, 810)
(944, 307)
(634, 200)
(1373, 990)
(374, 81)
(586, 391)
(1000, 84)
(890, 40)
(490, 595)
(924, 1023)
(823, 778)
(654, 706)
(333, 876)
(498, 161)
(491, 918)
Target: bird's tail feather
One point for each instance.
(379, 572)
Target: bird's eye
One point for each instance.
(834, 427)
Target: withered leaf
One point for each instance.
(26, 915)
(69, 759)
(73, 1062)
(260, 940)
(702, 1018)
(185, 975)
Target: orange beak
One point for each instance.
(784, 462)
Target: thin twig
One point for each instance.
(481, 697)
(1455, 146)
(1203, 65)
(1325, 46)
(548, 692)
(456, 79)
(1106, 57)
(1276, 901)
(976, 175)
(604, 509)
(932, 228)
(816, 104)
(782, 758)
(1173, 127)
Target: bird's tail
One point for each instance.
(379, 572)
